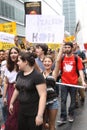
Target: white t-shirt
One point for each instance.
(11, 76)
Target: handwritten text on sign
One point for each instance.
(44, 28)
(6, 37)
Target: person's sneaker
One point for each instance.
(70, 118)
(61, 121)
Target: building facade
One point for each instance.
(69, 11)
(50, 6)
(13, 10)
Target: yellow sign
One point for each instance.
(69, 39)
(55, 46)
(6, 46)
(9, 27)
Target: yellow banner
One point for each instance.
(9, 27)
(54, 46)
(5, 46)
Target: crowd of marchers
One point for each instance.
(28, 89)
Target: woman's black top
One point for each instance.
(28, 95)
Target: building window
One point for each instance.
(12, 11)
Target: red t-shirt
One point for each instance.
(68, 66)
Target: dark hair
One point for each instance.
(43, 46)
(27, 56)
(2, 50)
(10, 63)
(69, 44)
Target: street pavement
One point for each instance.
(80, 122)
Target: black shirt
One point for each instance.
(28, 95)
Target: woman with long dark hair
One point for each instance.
(9, 86)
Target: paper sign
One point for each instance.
(6, 37)
(44, 28)
(9, 27)
(6, 40)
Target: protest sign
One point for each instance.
(9, 27)
(6, 40)
(44, 28)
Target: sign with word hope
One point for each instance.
(44, 28)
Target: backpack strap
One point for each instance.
(76, 60)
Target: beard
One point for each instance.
(68, 51)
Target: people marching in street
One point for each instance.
(80, 94)
(69, 67)
(43, 66)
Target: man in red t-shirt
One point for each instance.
(69, 76)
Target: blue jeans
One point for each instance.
(4, 113)
(64, 94)
(3, 108)
(54, 105)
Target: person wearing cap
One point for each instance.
(69, 76)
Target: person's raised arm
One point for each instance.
(57, 63)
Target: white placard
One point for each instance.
(6, 37)
(44, 28)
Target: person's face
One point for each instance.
(47, 63)
(39, 51)
(74, 46)
(68, 49)
(6, 54)
(14, 55)
(21, 64)
(2, 56)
